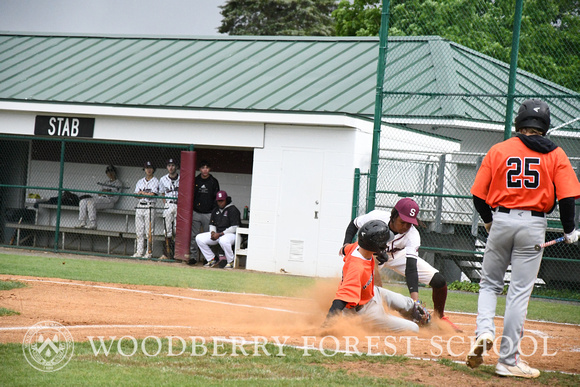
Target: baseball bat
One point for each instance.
(173, 232)
(549, 243)
(150, 246)
(15, 233)
(167, 250)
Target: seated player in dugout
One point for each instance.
(358, 295)
(88, 206)
(402, 253)
(224, 221)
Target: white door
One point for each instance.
(299, 212)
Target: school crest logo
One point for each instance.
(48, 346)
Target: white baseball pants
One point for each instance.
(169, 214)
(399, 262)
(226, 242)
(374, 313)
(88, 208)
(144, 216)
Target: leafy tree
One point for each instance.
(278, 17)
(549, 36)
(358, 18)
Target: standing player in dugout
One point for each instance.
(515, 187)
(169, 189)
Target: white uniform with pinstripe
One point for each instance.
(144, 213)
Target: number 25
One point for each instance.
(530, 177)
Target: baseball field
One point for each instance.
(70, 320)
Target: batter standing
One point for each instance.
(144, 213)
(519, 180)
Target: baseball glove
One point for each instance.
(420, 315)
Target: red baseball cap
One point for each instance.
(221, 195)
(408, 210)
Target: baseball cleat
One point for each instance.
(147, 256)
(81, 226)
(137, 255)
(455, 327)
(229, 266)
(520, 370)
(211, 263)
(475, 356)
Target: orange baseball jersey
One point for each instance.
(514, 176)
(357, 285)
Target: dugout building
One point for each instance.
(285, 121)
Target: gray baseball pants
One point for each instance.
(511, 240)
(199, 224)
(374, 311)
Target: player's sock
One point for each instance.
(439, 298)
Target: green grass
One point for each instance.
(7, 285)
(487, 373)
(267, 369)
(538, 309)
(8, 312)
(143, 273)
(561, 294)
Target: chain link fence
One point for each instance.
(463, 109)
(72, 183)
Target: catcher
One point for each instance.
(358, 294)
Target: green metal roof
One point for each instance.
(289, 74)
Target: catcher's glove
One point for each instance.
(420, 315)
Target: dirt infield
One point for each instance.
(97, 309)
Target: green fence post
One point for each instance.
(383, 41)
(59, 201)
(475, 218)
(355, 193)
(513, 70)
(438, 227)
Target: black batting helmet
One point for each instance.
(374, 235)
(533, 113)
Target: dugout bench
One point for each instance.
(45, 224)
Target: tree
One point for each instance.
(549, 37)
(278, 17)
